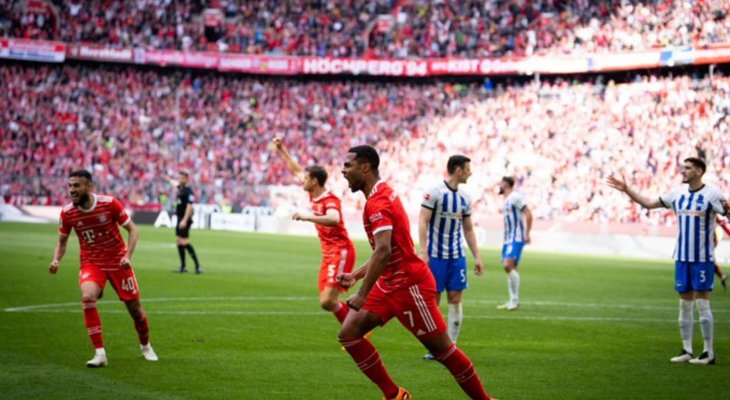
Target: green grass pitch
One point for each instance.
(251, 328)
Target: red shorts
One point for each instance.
(415, 307)
(122, 280)
(335, 265)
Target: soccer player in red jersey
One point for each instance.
(338, 252)
(104, 256)
(396, 283)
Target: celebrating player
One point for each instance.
(338, 252)
(444, 211)
(696, 206)
(104, 256)
(396, 283)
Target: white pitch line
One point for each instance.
(511, 316)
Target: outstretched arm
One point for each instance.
(294, 167)
(331, 218)
(619, 183)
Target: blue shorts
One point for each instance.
(694, 276)
(449, 274)
(512, 250)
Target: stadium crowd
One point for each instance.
(378, 28)
(559, 138)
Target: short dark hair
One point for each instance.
(456, 161)
(317, 172)
(81, 173)
(697, 162)
(366, 153)
(185, 174)
(509, 180)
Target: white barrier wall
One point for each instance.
(653, 243)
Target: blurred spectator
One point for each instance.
(560, 139)
(379, 28)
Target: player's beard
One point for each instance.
(81, 200)
(501, 190)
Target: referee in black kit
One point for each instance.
(184, 212)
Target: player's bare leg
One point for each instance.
(90, 293)
(329, 300)
(143, 330)
(460, 366)
(351, 336)
(513, 284)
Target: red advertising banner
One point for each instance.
(32, 50)
(290, 65)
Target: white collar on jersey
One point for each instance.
(93, 205)
(325, 193)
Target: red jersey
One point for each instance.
(100, 242)
(384, 211)
(332, 238)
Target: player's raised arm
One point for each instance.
(58, 253)
(294, 167)
(471, 241)
(621, 185)
(373, 268)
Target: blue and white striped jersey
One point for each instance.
(449, 208)
(696, 214)
(514, 222)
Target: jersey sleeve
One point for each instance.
(64, 228)
(119, 213)
(467, 209)
(332, 204)
(519, 201)
(380, 216)
(668, 199)
(430, 198)
(190, 196)
(716, 200)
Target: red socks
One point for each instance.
(368, 360)
(464, 373)
(143, 330)
(342, 312)
(93, 323)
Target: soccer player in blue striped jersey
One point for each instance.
(696, 206)
(445, 214)
(517, 227)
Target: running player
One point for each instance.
(517, 227)
(396, 283)
(338, 252)
(445, 210)
(104, 256)
(696, 206)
